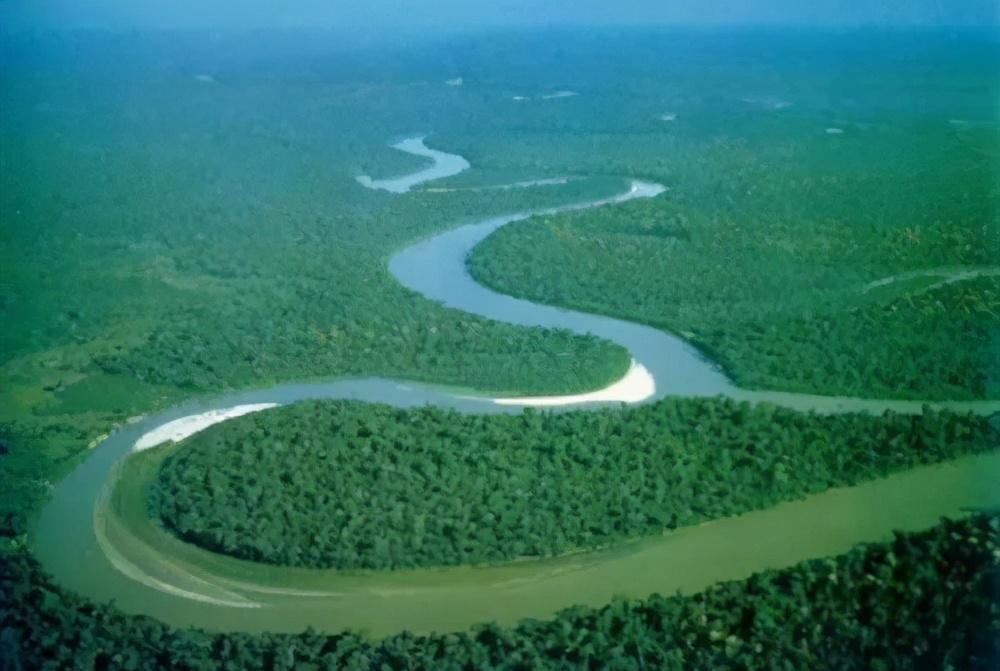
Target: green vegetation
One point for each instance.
(922, 601)
(163, 237)
(223, 243)
(349, 485)
(763, 265)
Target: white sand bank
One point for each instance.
(637, 385)
(179, 429)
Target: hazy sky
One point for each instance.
(458, 14)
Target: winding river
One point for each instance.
(95, 537)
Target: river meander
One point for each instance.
(95, 537)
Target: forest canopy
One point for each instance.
(351, 485)
(924, 600)
(778, 292)
(178, 220)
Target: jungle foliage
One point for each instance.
(165, 236)
(160, 234)
(926, 600)
(351, 485)
(768, 275)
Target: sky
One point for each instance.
(464, 14)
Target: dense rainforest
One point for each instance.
(224, 241)
(179, 216)
(926, 600)
(782, 299)
(354, 485)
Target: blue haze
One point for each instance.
(457, 15)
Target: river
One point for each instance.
(95, 537)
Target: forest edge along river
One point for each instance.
(96, 537)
